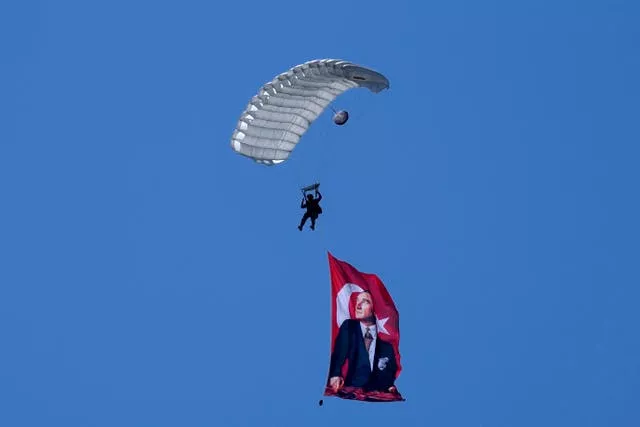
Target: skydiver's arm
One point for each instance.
(303, 204)
(319, 195)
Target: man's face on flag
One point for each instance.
(364, 306)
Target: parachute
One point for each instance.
(283, 109)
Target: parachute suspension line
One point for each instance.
(330, 136)
(325, 154)
(296, 170)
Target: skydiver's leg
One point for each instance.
(313, 222)
(303, 220)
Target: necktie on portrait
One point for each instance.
(368, 339)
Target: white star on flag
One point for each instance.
(380, 324)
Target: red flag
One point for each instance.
(365, 337)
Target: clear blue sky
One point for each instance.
(150, 276)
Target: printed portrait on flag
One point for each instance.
(365, 337)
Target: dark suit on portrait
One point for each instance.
(349, 346)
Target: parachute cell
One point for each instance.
(281, 112)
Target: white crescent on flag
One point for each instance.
(342, 301)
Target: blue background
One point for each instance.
(150, 276)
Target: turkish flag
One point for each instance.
(362, 367)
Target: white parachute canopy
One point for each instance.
(282, 111)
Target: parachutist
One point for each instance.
(321, 402)
(340, 117)
(313, 209)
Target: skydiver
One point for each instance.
(313, 209)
